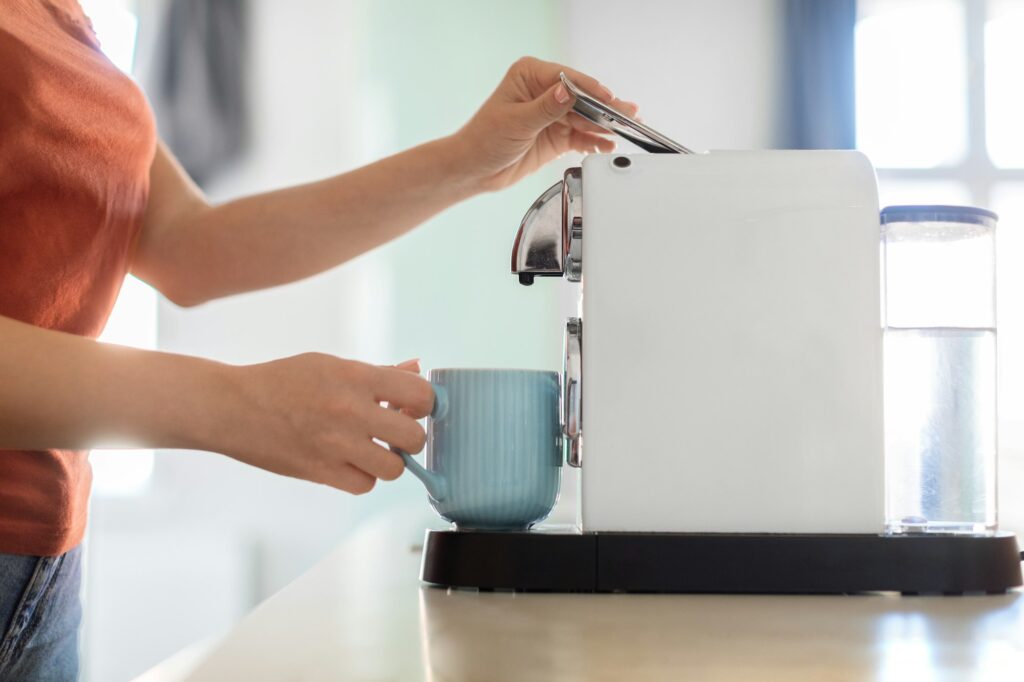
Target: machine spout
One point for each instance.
(540, 244)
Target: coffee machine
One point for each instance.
(722, 386)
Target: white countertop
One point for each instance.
(362, 614)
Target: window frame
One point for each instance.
(976, 171)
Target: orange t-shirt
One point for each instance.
(76, 143)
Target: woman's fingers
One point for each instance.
(541, 76)
(396, 429)
(350, 478)
(544, 74)
(376, 461)
(315, 416)
(628, 108)
(412, 365)
(404, 389)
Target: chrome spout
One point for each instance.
(539, 245)
(542, 244)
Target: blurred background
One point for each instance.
(256, 94)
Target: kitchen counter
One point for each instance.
(362, 614)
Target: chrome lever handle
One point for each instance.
(614, 121)
(572, 397)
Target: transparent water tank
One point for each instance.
(940, 368)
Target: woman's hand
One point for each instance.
(528, 121)
(316, 417)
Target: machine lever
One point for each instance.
(572, 396)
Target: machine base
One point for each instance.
(540, 560)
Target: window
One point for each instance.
(939, 111)
(939, 102)
(133, 321)
(912, 83)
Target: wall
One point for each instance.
(707, 74)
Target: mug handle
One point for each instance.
(434, 482)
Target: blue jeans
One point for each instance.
(40, 612)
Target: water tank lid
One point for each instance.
(939, 214)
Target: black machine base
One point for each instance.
(729, 563)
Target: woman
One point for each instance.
(88, 194)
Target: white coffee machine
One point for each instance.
(722, 385)
(725, 373)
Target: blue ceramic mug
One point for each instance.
(494, 447)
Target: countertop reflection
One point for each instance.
(479, 636)
(361, 614)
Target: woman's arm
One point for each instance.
(193, 252)
(310, 416)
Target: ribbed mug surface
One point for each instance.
(497, 444)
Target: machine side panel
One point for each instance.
(732, 345)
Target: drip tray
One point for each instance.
(570, 561)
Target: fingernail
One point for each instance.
(606, 92)
(561, 94)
